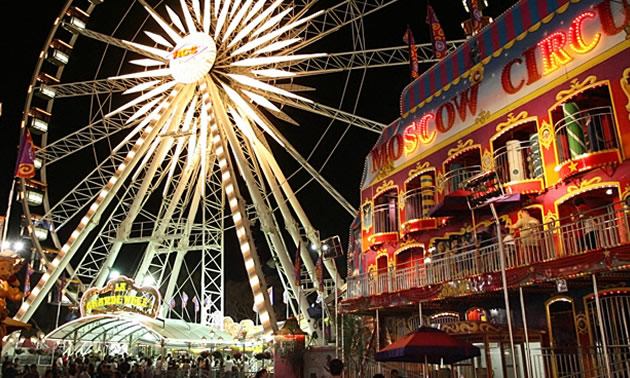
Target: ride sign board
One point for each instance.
(121, 295)
(192, 58)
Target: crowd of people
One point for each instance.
(120, 366)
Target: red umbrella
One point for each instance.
(427, 344)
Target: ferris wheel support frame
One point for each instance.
(90, 220)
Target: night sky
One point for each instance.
(379, 99)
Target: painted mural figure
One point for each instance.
(367, 215)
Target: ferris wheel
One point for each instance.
(169, 123)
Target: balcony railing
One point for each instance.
(588, 131)
(605, 227)
(385, 218)
(455, 178)
(418, 202)
(517, 162)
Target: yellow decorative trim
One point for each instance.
(439, 182)
(418, 169)
(482, 118)
(476, 74)
(548, 303)
(584, 184)
(549, 217)
(545, 135)
(625, 193)
(385, 185)
(487, 162)
(385, 171)
(625, 86)
(460, 146)
(470, 327)
(511, 120)
(407, 244)
(575, 87)
(456, 288)
(380, 253)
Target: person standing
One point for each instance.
(587, 223)
(528, 227)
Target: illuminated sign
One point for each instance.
(192, 58)
(557, 49)
(121, 295)
(425, 131)
(185, 51)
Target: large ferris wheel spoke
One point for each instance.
(122, 44)
(372, 58)
(258, 167)
(95, 265)
(332, 113)
(85, 191)
(335, 18)
(95, 87)
(85, 137)
(317, 176)
(248, 249)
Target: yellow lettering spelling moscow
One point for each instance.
(118, 300)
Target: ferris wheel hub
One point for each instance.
(192, 58)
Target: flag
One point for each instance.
(437, 34)
(476, 17)
(172, 303)
(26, 157)
(184, 299)
(196, 303)
(319, 271)
(298, 267)
(27, 280)
(285, 297)
(413, 53)
(270, 294)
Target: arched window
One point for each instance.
(386, 212)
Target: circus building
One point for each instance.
(496, 208)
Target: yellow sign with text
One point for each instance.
(121, 295)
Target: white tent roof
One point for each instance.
(129, 327)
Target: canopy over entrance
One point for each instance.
(135, 328)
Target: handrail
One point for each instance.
(383, 221)
(504, 166)
(415, 206)
(454, 178)
(597, 129)
(604, 227)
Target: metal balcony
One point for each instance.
(586, 140)
(455, 179)
(570, 236)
